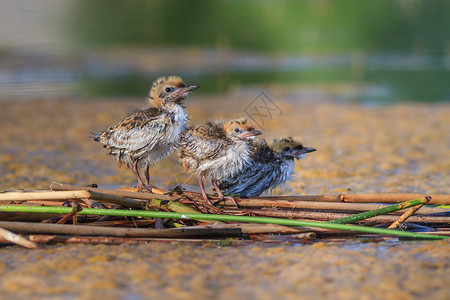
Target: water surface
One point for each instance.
(385, 51)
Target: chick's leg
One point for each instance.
(141, 184)
(202, 188)
(147, 175)
(219, 193)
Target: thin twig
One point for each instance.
(75, 208)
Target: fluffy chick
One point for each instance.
(148, 135)
(216, 150)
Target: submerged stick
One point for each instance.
(17, 239)
(182, 216)
(406, 215)
(381, 211)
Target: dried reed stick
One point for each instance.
(363, 198)
(185, 232)
(313, 205)
(70, 195)
(406, 215)
(16, 239)
(134, 195)
(44, 195)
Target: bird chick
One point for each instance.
(273, 165)
(216, 150)
(151, 133)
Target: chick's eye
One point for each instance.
(168, 89)
(237, 129)
(287, 148)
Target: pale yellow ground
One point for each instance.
(397, 148)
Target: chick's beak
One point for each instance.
(181, 93)
(250, 134)
(189, 88)
(304, 150)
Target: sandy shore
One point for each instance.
(361, 149)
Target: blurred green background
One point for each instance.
(352, 50)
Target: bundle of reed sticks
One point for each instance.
(111, 216)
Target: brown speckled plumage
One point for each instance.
(148, 135)
(216, 150)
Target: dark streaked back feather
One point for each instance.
(252, 181)
(258, 176)
(143, 129)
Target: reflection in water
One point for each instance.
(387, 50)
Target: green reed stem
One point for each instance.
(381, 211)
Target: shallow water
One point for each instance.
(385, 51)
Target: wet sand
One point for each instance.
(401, 148)
(416, 270)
